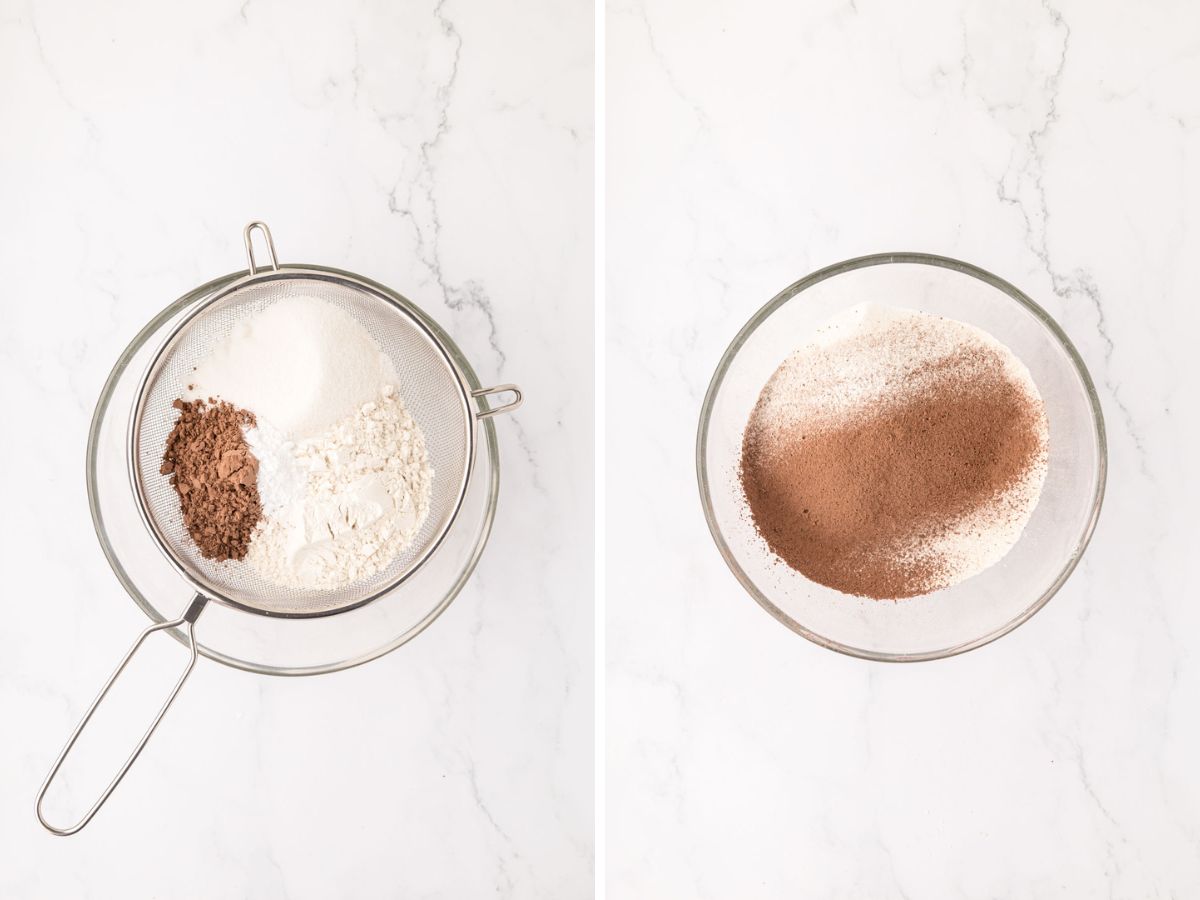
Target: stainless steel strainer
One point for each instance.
(433, 388)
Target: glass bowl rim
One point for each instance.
(131, 588)
(860, 262)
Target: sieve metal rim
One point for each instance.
(289, 273)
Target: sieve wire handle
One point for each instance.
(188, 621)
(517, 400)
(247, 233)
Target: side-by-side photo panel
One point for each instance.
(300, 325)
(898, 310)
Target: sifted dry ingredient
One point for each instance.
(895, 454)
(215, 475)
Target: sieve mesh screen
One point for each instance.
(427, 381)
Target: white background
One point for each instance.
(1055, 145)
(445, 152)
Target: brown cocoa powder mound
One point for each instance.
(215, 475)
(835, 500)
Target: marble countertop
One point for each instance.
(440, 149)
(1055, 144)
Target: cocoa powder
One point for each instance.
(877, 501)
(215, 475)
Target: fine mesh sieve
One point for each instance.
(433, 389)
(428, 382)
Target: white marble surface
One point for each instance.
(1057, 145)
(444, 150)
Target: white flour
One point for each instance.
(364, 494)
(301, 364)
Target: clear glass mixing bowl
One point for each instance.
(979, 609)
(256, 643)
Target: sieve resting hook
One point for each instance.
(518, 399)
(247, 232)
(188, 622)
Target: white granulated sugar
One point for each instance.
(301, 364)
(366, 489)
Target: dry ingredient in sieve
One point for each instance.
(215, 475)
(302, 364)
(365, 495)
(341, 473)
(895, 453)
(280, 481)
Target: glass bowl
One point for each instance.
(981, 608)
(266, 644)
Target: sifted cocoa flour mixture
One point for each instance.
(215, 475)
(895, 454)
